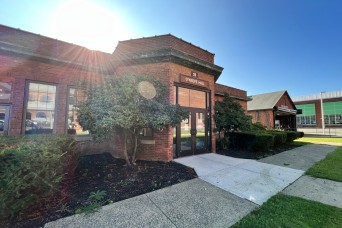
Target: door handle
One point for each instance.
(193, 132)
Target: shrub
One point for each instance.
(292, 135)
(258, 127)
(256, 141)
(263, 142)
(301, 134)
(280, 137)
(32, 168)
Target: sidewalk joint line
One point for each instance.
(161, 211)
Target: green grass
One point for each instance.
(288, 211)
(320, 140)
(329, 168)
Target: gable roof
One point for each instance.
(265, 100)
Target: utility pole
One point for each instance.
(322, 113)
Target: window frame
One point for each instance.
(146, 137)
(67, 112)
(26, 100)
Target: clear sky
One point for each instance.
(263, 45)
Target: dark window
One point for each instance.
(146, 133)
(75, 97)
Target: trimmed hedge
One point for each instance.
(262, 140)
(280, 137)
(32, 168)
(257, 141)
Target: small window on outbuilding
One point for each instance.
(146, 133)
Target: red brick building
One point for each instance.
(273, 110)
(239, 95)
(313, 106)
(38, 93)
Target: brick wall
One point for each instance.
(20, 71)
(235, 93)
(125, 48)
(285, 100)
(266, 117)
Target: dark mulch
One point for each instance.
(104, 173)
(241, 153)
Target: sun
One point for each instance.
(88, 24)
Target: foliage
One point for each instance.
(329, 168)
(229, 116)
(256, 141)
(280, 137)
(95, 201)
(116, 107)
(288, 211)
(257, 127)
(292, 135)
(32, 169)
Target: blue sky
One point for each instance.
(263, 45)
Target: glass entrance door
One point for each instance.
(193, 137)
(4, 113)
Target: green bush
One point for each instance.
(32, 169)
(300, 134)
(256, 141)
(258, 127)
(292, 135)
(280, 137)
(263, 142)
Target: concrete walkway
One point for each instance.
(301, 158)
(316, 189)
(311, 188)
(227, 190)
(248, 179)
(193, 203)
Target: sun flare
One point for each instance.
(88, 24)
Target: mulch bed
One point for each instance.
(247, 154)
(104, 173)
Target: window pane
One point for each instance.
(197, 99)
(191, 98)
(40, 112)
(5, 91)
(73, 126)
(183, 97)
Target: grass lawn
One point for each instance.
(319, 140)
(329, 168)
(288, 211)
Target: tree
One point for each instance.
(125, 105)
(230, 116)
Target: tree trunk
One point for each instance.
(135, 148)
(125, 149)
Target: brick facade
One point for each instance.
(265, 117)
(27, 57)
(318, 109)
(281, 110)
(239, 95)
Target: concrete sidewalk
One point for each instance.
(227, 190)
(193, 203)
(301, 158)
(317, 189)
(246, 178)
